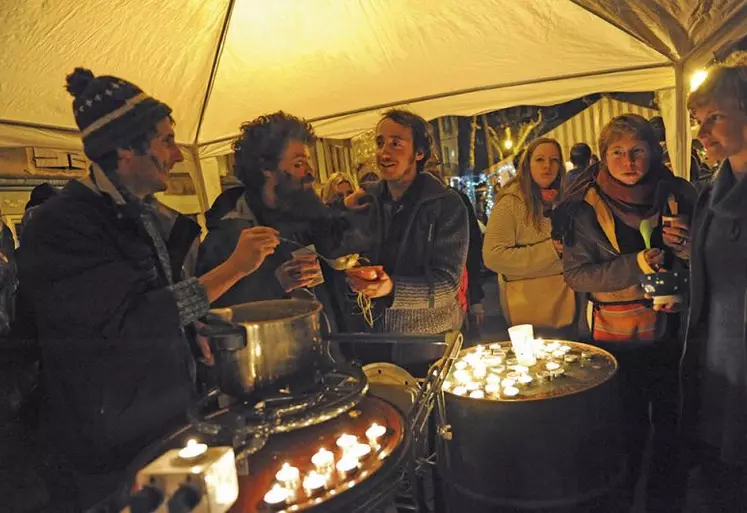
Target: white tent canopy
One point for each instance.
(339, 62)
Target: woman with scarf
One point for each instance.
(714, 363)
(604, 254)
(518, 244)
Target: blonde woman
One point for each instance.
(714, 364)
(336, 189)
(519, 247)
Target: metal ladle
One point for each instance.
(342, 263)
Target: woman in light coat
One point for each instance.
(519, 247)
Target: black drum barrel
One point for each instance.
(555, 447)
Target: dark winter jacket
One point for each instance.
(117, 370)
(425, 258)
(594, 262)
(692, 364)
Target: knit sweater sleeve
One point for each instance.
(438, 286)
(503, 254)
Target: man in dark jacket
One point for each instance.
(102, 268)
(420, 238)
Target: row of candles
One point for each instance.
(488, 372)
(288, 478)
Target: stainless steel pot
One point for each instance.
(255, 344)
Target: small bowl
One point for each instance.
(665, 286)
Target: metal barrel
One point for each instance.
(560, 454)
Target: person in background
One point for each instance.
(696, 175)
(419, 240)
(367, 175)
(604, 255)
(8, 277)
(518, 244)
(101, 265)
(336, 189)
(580, 158)
(39, 194)
(714, 365)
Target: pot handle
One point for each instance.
(221, 334)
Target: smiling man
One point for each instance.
(102, 268)
(420, 236)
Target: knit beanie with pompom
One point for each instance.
(111, 112)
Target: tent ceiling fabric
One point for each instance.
(166, 48)
(337, 61)
(319, 58)
(672, 27)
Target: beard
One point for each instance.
(295, 201)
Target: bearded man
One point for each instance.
(274, 165)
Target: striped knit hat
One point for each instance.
(111, 112)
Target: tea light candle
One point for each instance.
(459, 391)
(521, 368)
(492, 388)
(288, 475)
(570, 358)
(479, 372)
(446, 385)
(492, 378)
(374, 432)
(347, 465)
(472, 386)
(565, 348)
(314, 482)
(525, 379)
(495, 346)
(323, 460)
(552, 366)
(192, 450)
(508, 382)
(585, 355)
(277, 495)
(462, 376)
(477, 394)
(460, 365)
(360, 451)
(558, 353)
(510, 391)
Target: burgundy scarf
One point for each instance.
(633, 203)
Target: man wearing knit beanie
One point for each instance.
(103, 268)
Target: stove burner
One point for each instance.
(247, 424)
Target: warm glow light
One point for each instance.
(277, 495)
(697, 78)
(508, 144)
(193, 450)
(288, 474)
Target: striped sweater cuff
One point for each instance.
(191, 300)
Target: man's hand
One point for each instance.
(301, 271)
(676, 235)
(254, 245)
(371, 281)
(353, 201)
